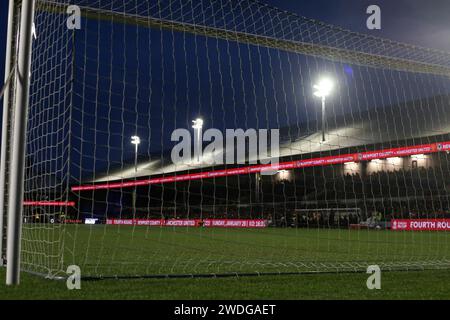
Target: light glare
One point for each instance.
(323, 88)
(135, 140)
(197, 123)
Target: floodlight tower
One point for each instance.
(323, 90)
(197, 126)
(136, 141)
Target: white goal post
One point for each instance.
(17, 161)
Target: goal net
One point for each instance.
(361, 175)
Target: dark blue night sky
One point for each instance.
(418, 22)
(122, 106)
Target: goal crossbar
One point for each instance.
(322, 51)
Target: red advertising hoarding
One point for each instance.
(211, 223)
(420, 224)
(235, 223)
(49, 203)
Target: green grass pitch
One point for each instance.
(128, 251)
